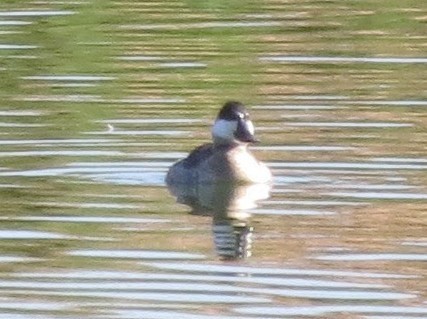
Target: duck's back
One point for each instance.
(186, 170)
(198, 155)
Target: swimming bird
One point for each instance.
(227, 158)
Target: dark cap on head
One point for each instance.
(233, 110)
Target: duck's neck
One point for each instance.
(223, 143)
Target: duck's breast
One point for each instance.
(234, 164)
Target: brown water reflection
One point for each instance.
(228, 204)
(99, 98)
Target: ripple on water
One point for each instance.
(75, 77)
(330, 309)
(10, 315)
(21, 113)
(313, 203)
(342, 59)
(295, 107)
(199, 25)
(20, 234)
(388, 102)
(61, 142)
(26, 125)
(167, 314)
(379, 195)
(207, 288)
(134, 254)
(183, 64)
(184, 297)
(9, 303)
(17, 47)
(374, 186)
(321, 97)
(189, 288)
(373, 257)
(292, 212)
(308, 148)
(29, 234)
(140, 58)
(399, 159)
(142, 132)
(273, 282)
(85, 219)
(16, 259)
(349, 165)
(135, 178)
(420, 242)
(62, 153)
(90, 98)
(151, 121)
(12, 22)
(124, 173)
(258, 279)
(348, 124)
(246, 270)
(35, 13)
(102, 205)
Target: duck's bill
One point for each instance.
(245, 131)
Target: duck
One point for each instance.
(227, 158)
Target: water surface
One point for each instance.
(99, 98)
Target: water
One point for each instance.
(99, 98)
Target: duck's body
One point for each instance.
(227, 158)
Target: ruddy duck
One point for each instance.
(227, 158)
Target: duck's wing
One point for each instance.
(198, 155)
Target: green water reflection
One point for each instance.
(99, 98)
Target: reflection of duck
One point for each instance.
(220, 199)
(227, 158)
(228, 204)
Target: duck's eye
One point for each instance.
(243, 116)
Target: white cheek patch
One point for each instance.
(224, 129)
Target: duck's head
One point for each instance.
(232, 125)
